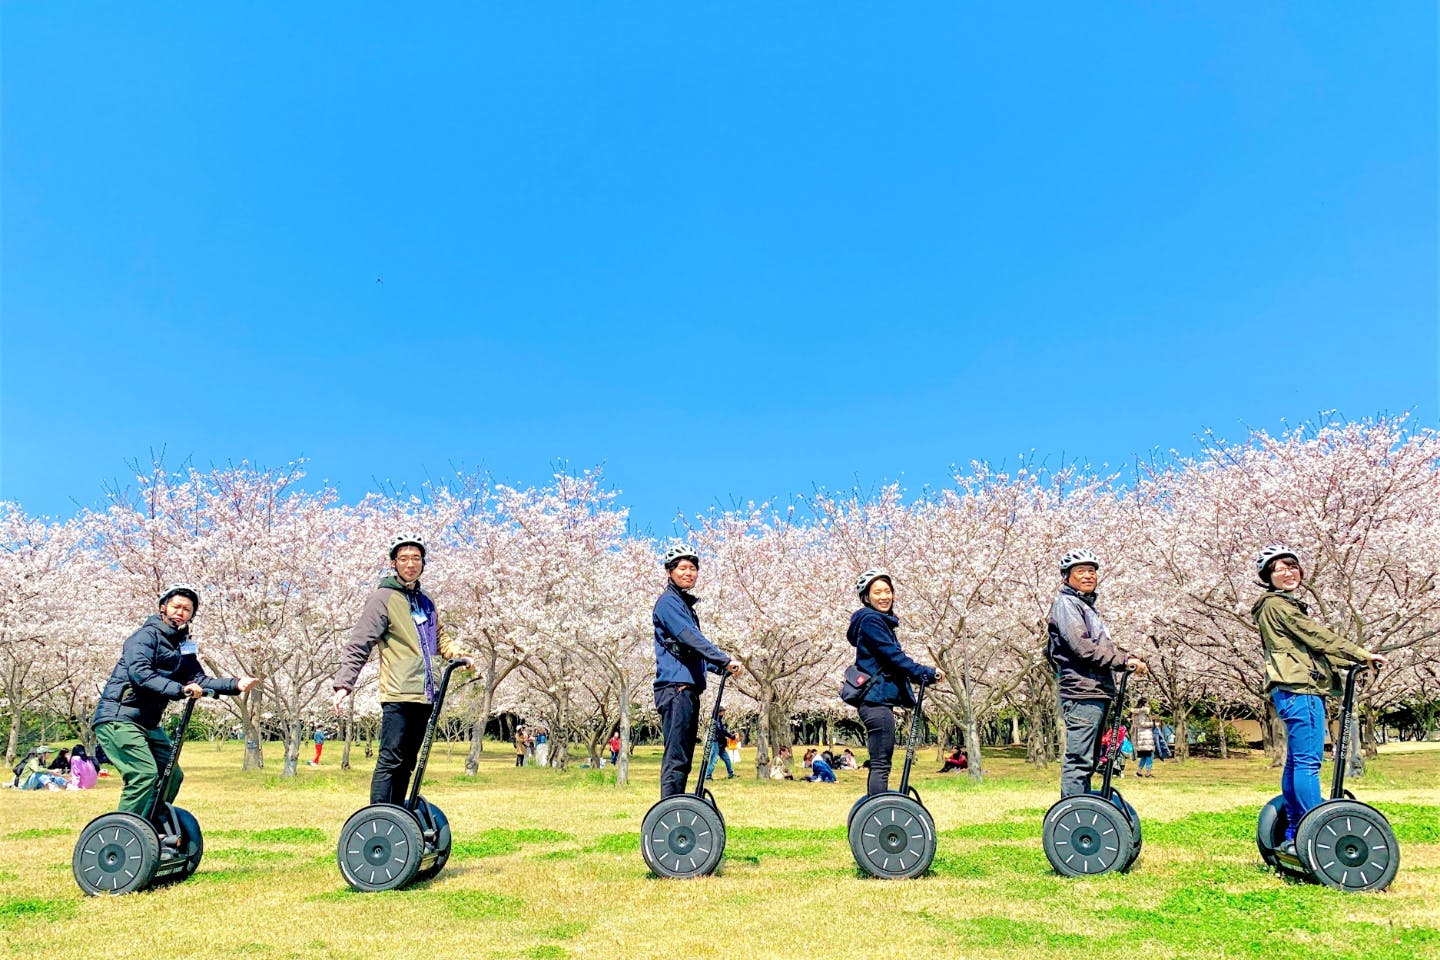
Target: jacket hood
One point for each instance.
(852, 634)
(1277, 595)
(393, 582)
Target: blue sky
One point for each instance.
(728, 253)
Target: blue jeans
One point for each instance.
(718, 752)
(1147, 761)
(1304, 716)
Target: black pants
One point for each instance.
(679, 707)
(402, 730)
(880, 741)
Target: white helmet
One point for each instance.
(1073, 558)
(677, 552)
(1269, 555)
(864, 581)
(181, 590)
(407, 540)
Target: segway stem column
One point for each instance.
(710, 737)
(1116, 707)
(913, 739)
(1342, 746)
(162, 783)
(424, 755)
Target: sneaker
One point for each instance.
(1288, 848)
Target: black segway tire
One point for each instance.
(1087, 835)
(1348, 845)
(682, 836)
(855, 807)
(192, 845)
(116, 853)
(380, 848)
(441, 825)
(1138, 840)
(892, 837)
(1270, 830)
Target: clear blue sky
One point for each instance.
(727, 252)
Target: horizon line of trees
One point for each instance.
(552, 593)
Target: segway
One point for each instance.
(1342, 843)
(892, 835)
(684, 836)
(124, 852)
(1097, 832)
(385, 846)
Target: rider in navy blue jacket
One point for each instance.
(682, 655)
(878, 654)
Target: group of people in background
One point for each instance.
(72, 769)
(532, 746)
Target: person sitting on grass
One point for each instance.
(848, 761)
(956, 761)
(83, 773)
(820, 771)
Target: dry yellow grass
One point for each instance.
(547, 865)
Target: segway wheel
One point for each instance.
(854, 809)
(682, 836)
(1133, 819)
(1270, 830)
(380, 848)
(1348, 845)
(1087, 835)
(892, 837)
(192, 844)
(441, 825)
(116, 853)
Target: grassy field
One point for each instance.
(547, 865)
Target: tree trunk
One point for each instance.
(762, 741)
(250, 726)
(477, 729)
(969, 727)
(12, 747)
(292, 749)
(1182, 733)
(622, 762)
(1277, 743)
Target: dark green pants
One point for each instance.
(139, 755)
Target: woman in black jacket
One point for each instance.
(878, 654)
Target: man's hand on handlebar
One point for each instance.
(1136, 665)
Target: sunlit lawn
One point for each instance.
(547, 864)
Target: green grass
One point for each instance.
(547, 864)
